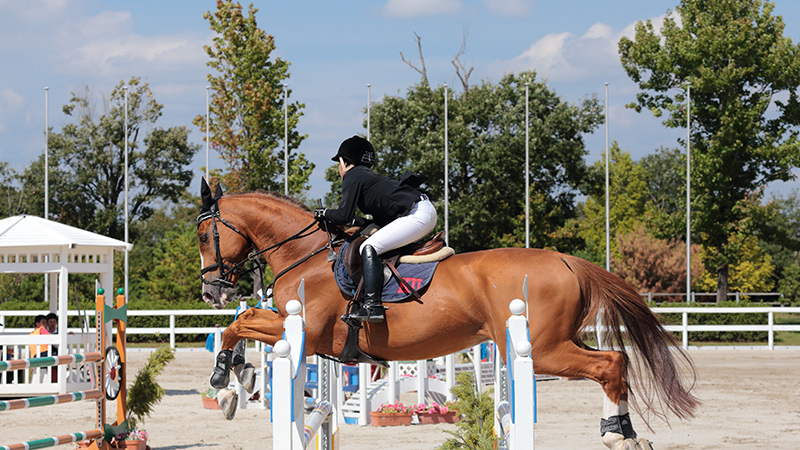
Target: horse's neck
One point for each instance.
(270, 221)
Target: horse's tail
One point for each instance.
(656, 368)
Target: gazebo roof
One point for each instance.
(32, 231)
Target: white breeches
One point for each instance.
(405, 229)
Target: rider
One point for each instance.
(404, 214)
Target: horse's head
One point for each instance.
(223, 249)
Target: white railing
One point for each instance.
(684, 328)
(770, 327)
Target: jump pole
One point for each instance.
(515, 409)
(103, 314)
(290, 430)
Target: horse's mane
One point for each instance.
(280, 197)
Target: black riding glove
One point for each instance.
(319, 214)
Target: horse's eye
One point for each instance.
(203, 238)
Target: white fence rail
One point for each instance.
(172, 330)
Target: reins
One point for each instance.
(226, 271)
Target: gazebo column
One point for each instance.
(63, 298)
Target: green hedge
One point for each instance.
(719, 319)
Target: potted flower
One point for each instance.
(435, 413)
(133, 439)
(210, 399)
(391, 414)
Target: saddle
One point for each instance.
(352, 257)
(431, 251)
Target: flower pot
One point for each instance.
(448, 417)
(210, 403)
(379, 419)
(132, 445)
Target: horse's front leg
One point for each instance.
(254, 323)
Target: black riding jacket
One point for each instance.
(382, 197)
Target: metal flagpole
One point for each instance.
(126, 190)
(208, 178)
(46, 157)
(527, 173)
(368, 109)
(285, 139)
(446, 175)
(608, 221)
(46, 184)
(688, 198)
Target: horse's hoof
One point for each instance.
(246, 374)
(228, 402)
(616, 441)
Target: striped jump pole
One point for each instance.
(56, 440)
(48, 361)
(47, 400)
(107, 385)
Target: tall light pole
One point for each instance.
(208, 178)
(369, 86)
(46, 156)
(446, 175)
(608, 219)
(527, 172)
(688, 192)
(127, 294)
(285, 139)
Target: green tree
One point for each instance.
(752, 272)
(87, 161)
(665, 178)
(10, 194)
(627, 198)
(780, 238)
(487, 156)
(734, 54)
(173, 276)
(246, 117)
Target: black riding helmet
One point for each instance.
(356, 151)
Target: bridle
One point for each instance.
(226, 272)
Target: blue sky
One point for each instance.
(335, 50)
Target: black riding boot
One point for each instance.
(371, 309)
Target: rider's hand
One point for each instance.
(319, 214)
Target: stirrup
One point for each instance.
(370, 314)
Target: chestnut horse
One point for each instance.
(465, 305)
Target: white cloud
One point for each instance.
(406, 9)
(11, 104)
(567, 56)
(509, 7)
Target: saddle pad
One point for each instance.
(418, 276)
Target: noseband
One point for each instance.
(226, 272)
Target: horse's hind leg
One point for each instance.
(607, 368)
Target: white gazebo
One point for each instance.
(30, 244)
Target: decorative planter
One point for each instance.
(132, 445)
(210, 403)
(390, 419)
(448, 417)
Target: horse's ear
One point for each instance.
(205, 195)
(218, 192)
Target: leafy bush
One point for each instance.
(475, 430)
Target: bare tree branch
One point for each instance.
(462, 73)
(422, 71)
